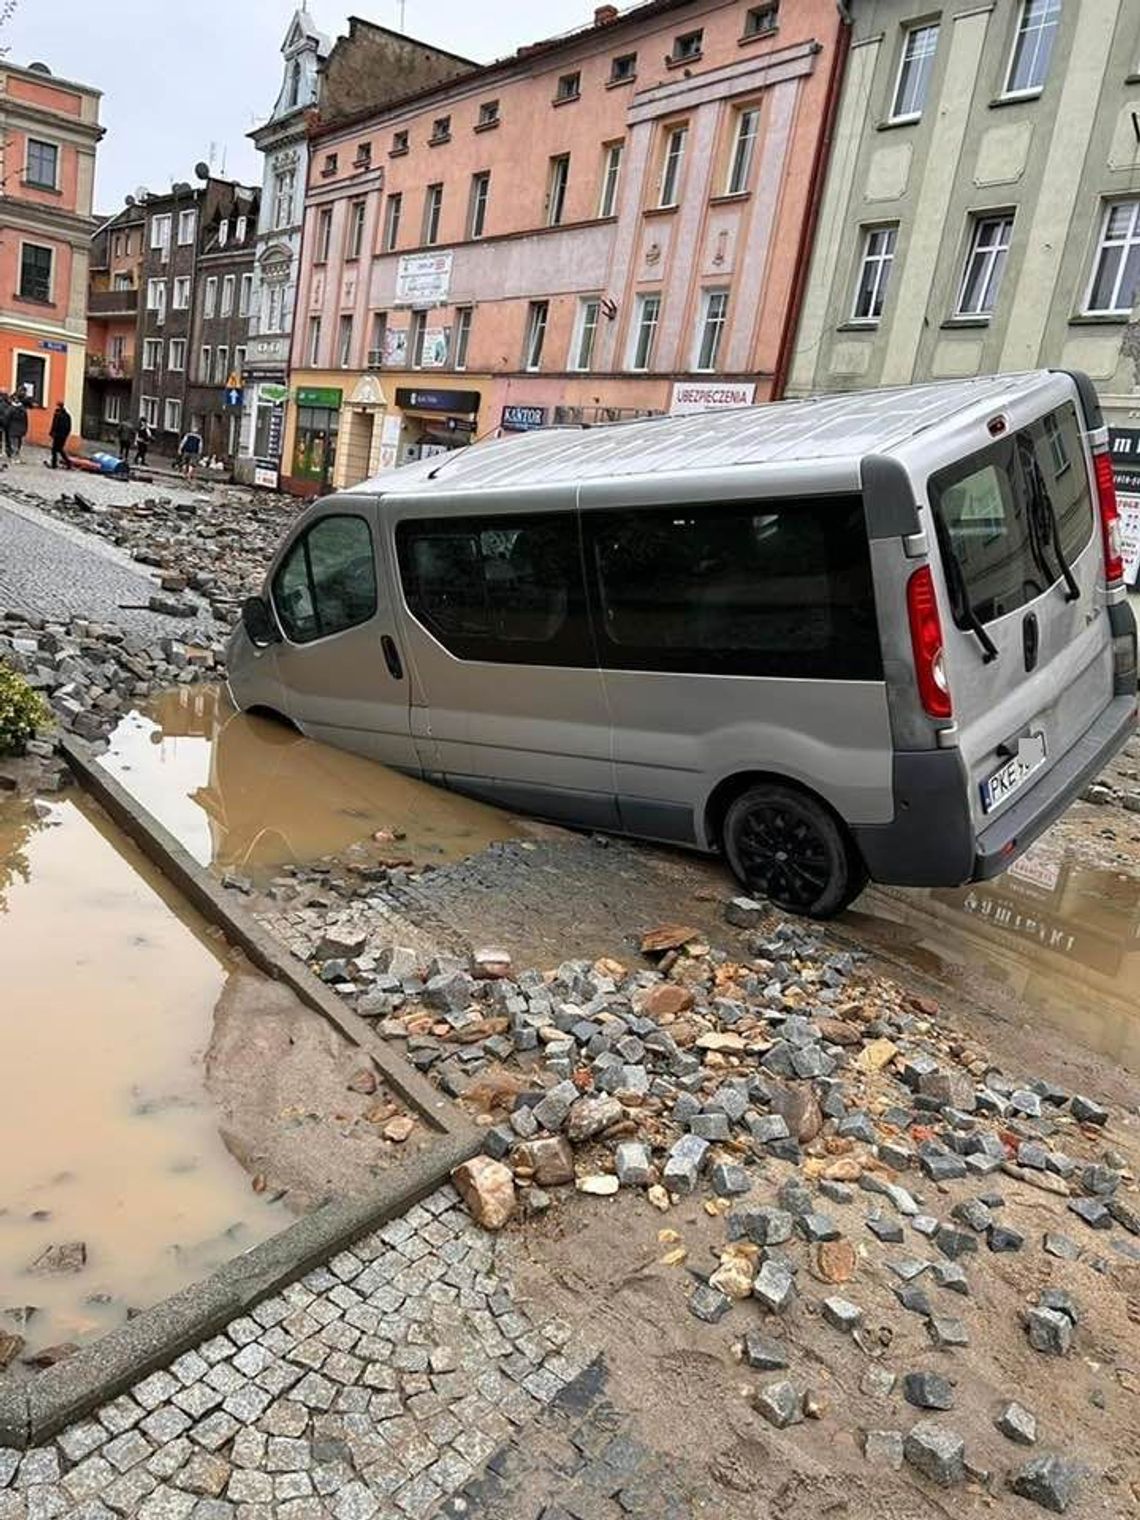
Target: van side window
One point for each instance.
(765, 588)
(327, 581)
(1002, 515)
(506, 589)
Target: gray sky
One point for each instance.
(209, 70)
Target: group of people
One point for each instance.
(13, 424)
(14, 427)
(138, 438)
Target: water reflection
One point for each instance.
(245, 793)
(1060, 935)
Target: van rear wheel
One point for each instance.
(787, 847)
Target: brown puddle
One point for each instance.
(247, 794)
(107, 998)
(1057, 935)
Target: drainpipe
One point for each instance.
(814, 201)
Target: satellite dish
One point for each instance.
(38, 68)
(202, 170)
(141, 193)
(130, 200)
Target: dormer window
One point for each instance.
(294, 85)
(223, 233)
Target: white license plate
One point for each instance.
(1014, 773)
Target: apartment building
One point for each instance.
(982, 205)
(608, 224)
(215, 363)
(49, 130)
(112, 321)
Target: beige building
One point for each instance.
(982, 207)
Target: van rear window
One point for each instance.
(1008, 516)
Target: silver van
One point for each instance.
(881, 635)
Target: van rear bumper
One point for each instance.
(1008, 836)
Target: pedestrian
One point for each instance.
(189, 451)
(5, 413)
(15, 428)
(142, 440)
(124, 439)
(60, 432)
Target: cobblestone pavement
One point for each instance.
(54, 571)
(378, 1386)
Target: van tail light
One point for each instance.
(1109, 516)
(926, 640)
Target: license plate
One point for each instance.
(1014, 773)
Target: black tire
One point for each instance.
(784, 845)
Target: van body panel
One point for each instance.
(927, 785)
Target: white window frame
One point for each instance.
(41, 142)
(324, 235)
(1051, 22)
(229, 283)
(417, 326)
(245, 295)
(1125, 244)
(393, 211)
(357, 212)
(275, 307)
(433, 213)
(480, 199)
(611, 178)
(715, 297)
(537, 322)
(284, 196)
(50, 248)
(180, 293)
(924, 65)
(148, 406)
(239, 361)
(176, 356)
(113, 406)
(464, 316)
(187, 227)
(994, 255)
(172, 415)
(344, 340)
(205, 360)
(241, 229)
(222, 364)
(152, 355)
(223, 232)
(883, 260)
(160, 229)
(313, 341)
(557, 184)
(673, 164)
(642, 324)
(210, 297)
(743, 155)
(585, 324)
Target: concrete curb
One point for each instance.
(32, 1412)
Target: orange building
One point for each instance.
(49, 129)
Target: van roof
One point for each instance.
(833, 429)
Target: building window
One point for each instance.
(117, 245)
(611, 174)
(743, 151)
(714, 317)
(585, 334)
(355, 230)
(989, 247)
(284, 182)
(392, 221)
(672, 165)
(205, 355)
(324, 235)
(1032, 46)
(916, 65)
(329, 166)
(156, 298)
(313, 346)
(210, 303)
(239, 362)
(623, 68)
(463, 316)
(221, 364)
(122, 282)
(433, 206)
(477, 210)
(344, 342)
(556, 193)
(687, 47)
(42, 167)
(294, 95)
(228, 284)
(378, 339)
(416, 329)
(440, 130)
(1115, 284)
(176, 357)
(874, 273)
(760, 20)
(536, 319)
(113, 407)
(117, 349)
(399, 143)
(180, 293)
(245, 296)
(173, 416)
(569, 86)
(241, 229)
(187, 227)
(223, 233)
(35, 272)
(160, 234)
(275, 308)
(644, 334)
(152, 354)
(150, 411)
(489, 114)
(363, 159)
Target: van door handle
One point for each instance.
(392, 658)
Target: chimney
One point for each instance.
(604, 14)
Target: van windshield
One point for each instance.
(1013, 517)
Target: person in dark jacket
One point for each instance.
(142, 441)
(60, 432)
(5, 413)
(15, 428)
(125, 437)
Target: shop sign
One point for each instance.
(1124, 445)
(275, 439)
(434, 354)
(708, 396)
(396, 347)
(437, 401)
(521, 419)
(273, 392)
(423, 279)
(326, 396)
(265, 475)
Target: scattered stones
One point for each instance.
(709, 1304)
(1092, 1211)
(842, 1315)
(1049, 1331)
(1017, 1424)
(60, 1260)
(884, 1448)
(599, 1185)
(937, 1452)
(835, 1261)
(488, 1189)
(745, 912)
(780, 1404)
(947, 1332)
(729, 1180)
(774, 1286)
(1049, 1481)
(634, 1164)
(685, 1163)
(1001, 1238)
(550, 1160)
(928, 1390)
(878, 1382)
(764, 1353)
(1085, 1111)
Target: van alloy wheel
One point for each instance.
(786, 846)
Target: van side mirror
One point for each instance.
(258, 622)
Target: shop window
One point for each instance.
(314, 450)
(327, 581)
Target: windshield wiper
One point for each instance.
(964, 607)
(1043, 502)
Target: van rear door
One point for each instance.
(1028, 646)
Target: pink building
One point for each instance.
(609, 223)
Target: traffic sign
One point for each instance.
(234, 395)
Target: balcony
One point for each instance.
(112, 303)
(101, 368)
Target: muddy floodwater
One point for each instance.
(1053, 934)
(111, 1148)
(251, 795)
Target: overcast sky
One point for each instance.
(209, 70)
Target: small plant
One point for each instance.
(22, 711)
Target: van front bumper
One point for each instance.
(1007, 837)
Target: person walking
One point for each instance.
(15, 428)
(190, 451)
(125, 436)
(5, 413)
(60, 432)
(142, 440)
